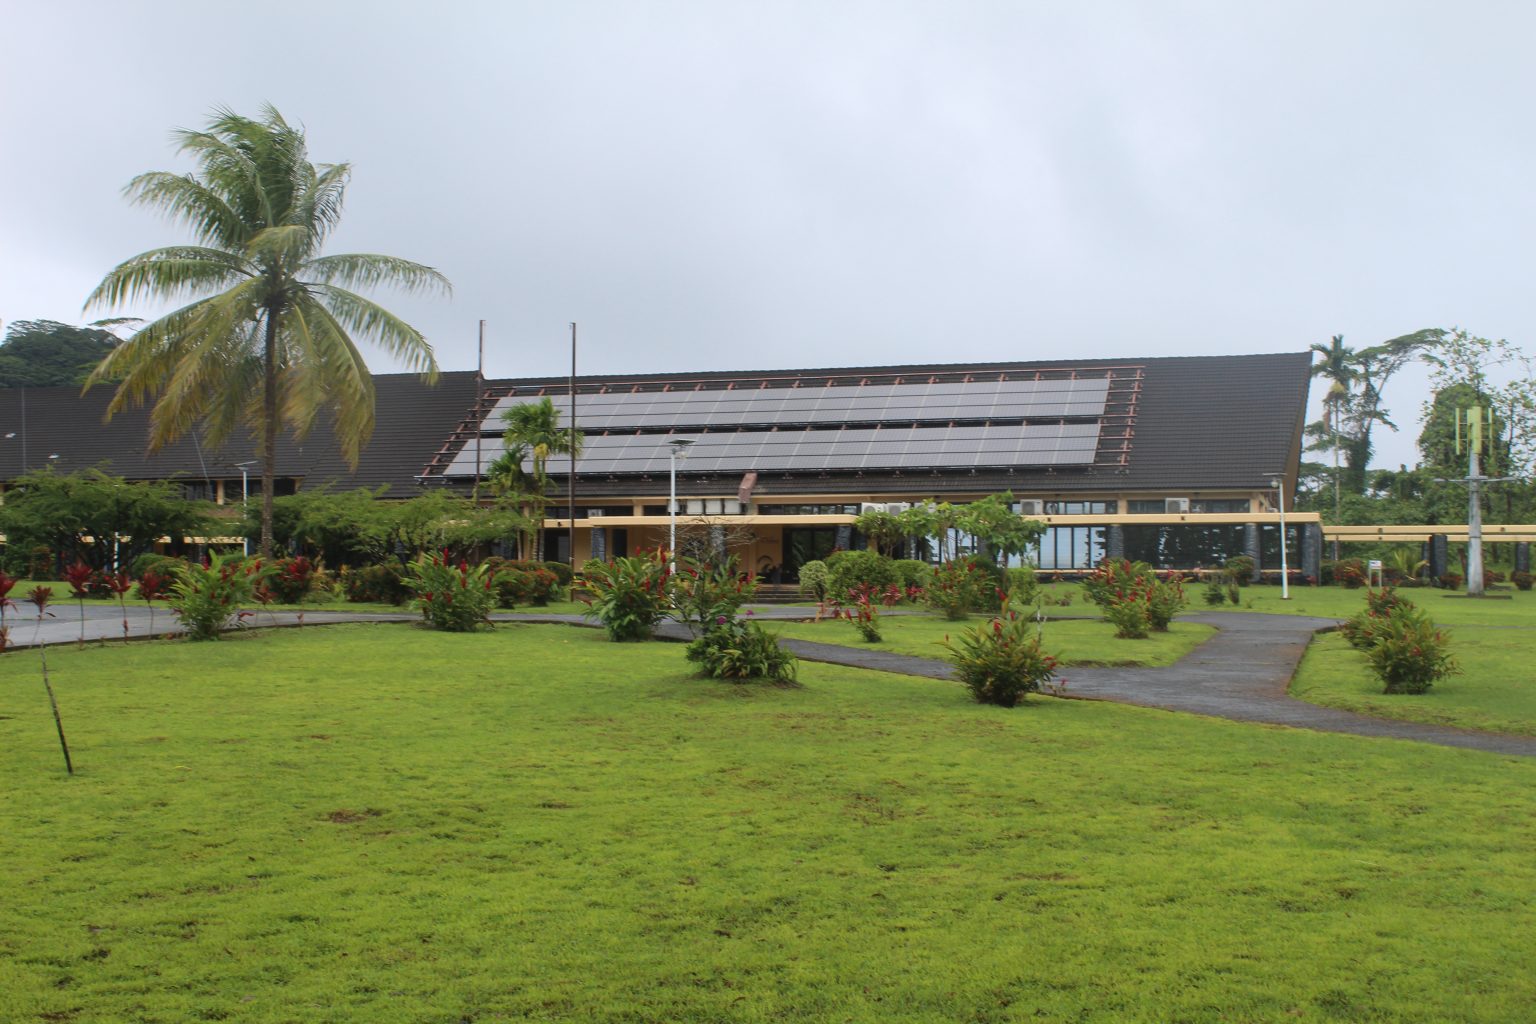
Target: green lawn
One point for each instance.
(1075, 641)
(382, 824)
(1495, 691)
(1338, 603)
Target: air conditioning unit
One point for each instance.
(595, 513)
(695, 506)
(869, 506)
(730, 507)
(1031, 507)
(896, 508)
(1176, 505)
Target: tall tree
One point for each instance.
(272, 345)
(46, 353)
(1338, 368)
(534, 428)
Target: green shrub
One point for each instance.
(814, 576)
(1214, 593)
(911, 574)
(514, 585)
(454, 598)
(290, 579)
(375, 584)
(1521, 580)
(1450, 581)
(1002, 661)
(733, 649)
(1239, 569)
(1362, 630)
(207, 598)
(561, 570)
(1131, 617)
(1113, 577)
(1165, 599)
(627, 595)
(1410, 653)
(850, 570)
(1021, 586)
(704, 595)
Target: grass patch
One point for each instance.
(1076, 641)
(1338, 603)
(380, 823)
(1495, 691)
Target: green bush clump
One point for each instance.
(627, 595)
(1134, 598)
(1522, 580)
(1001, 662)
(911, 573)
(733, 649)
(454, 598)
(1239, 569)
(1361, 630)
(516, 585)
(375, 584)
(703, 594)
(1022, 587)
(207, 598)
(849, 570)
(1131, 617)
(290, 580)
(1114, 576)
(1409, 653)
(814, 577)
(964, 585)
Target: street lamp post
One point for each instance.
(245, 504)
(679, 450)
(1278, 483)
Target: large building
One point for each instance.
(1172, 460)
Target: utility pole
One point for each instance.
(479, 422)
(1478, 426)
(570, 486)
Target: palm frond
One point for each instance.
(367, 318)
(170, 273)
(371, 270)
(184, 198)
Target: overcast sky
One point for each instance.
(720, 185)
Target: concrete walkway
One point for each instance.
(1240, 674)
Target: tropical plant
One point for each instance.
(454, 598)
(1410, 653)
(209, 597)
(269, 343)
(741, 650)
(963, 585)
(6, 585)
(152, 587)
(1001, 532)
(814, 576)
(118, 584)
(864, 613)
(850, 570)
(627, 595)
(534, 434)
(703, 594)
(375, 584)
(78, 576)
(1001, 662)
(885, 532)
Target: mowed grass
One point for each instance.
(1073, 641)
(1448, 607)
(1495, 690)
(377, 823)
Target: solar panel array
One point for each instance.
(844, 403)
(964, 447)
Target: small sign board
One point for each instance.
(1374, 573)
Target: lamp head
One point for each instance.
(680, 446)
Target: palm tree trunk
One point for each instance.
(268, 432)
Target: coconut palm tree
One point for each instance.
(533, 428)
(1337, 367)
(266, 341)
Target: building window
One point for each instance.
(1081, 508)
(808, 510)
(1200, 506)
(1071, 547)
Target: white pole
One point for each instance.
(1285, 569)
(672, 514)
(245, 509)
(1474, 520)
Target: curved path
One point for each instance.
(1241, 673)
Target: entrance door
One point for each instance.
(806, 544)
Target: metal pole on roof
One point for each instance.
(570, 487)
(479, 399)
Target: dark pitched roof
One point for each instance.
(1199, 423)
(411, 420)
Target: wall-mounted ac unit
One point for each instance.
(695, 506)
(730, 507)
(1176, 505)
(896, 508)
(1031, 507)
(595, 513)
(869, 506)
